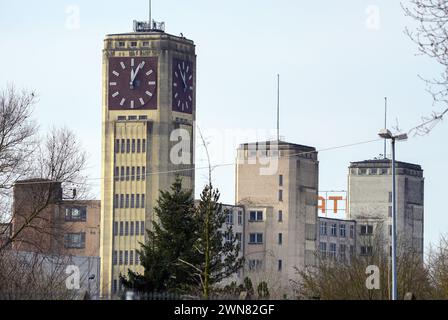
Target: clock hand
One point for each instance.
(134, 74)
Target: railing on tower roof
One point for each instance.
(145, 26)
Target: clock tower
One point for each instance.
(149, 107)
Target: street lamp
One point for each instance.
(386, 134)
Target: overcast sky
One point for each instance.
(337, 62)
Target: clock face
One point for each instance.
(183, 83)
(132, 83)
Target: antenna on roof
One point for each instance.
(278, 107)
(385, 126)
(150, 7)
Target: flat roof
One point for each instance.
(384, 163)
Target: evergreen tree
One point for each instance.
(171, 239)
(217, 248)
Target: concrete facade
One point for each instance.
(370, 203)
(153, 127)
(277, 182)
(63, 227)
(337, 238)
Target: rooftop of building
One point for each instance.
(384, 163)
(336, 219)
(282, 145)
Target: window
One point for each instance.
(133, 173)
(122, 174)
(383, 171)
(352, 231)
(255, 264)
(390, 211)
(121, 118)
(121, 44)
(132, 201)
(142, 228)
(128, 145)
(342, 230)
(333, 250)
(116, 201)
(280, 238)
(323, 228)
(229, 218)
(255, 238)
(145, 44)
(132, 117)
(280, 195)
(137, 229)
(334, 230)
(390, 197)
(128, 173)
(352, 250)
(126, 257)
(363, 171)
(133, 44)
(132, 228)
(138, 145)
(143, 201)
(143, 173)
(75, 240)
(138, 173)
(133, 145)
(126, 228)
(280, 180)
(117, 173)
(137, 201)
(115, 228)
(323, 247)
(256, 216)
(121, 201)
(123, 146)
(117, 146)
(366, 229)
(144, 145)
(279, 265)
(239, 236)
(366, 250)
(240, 218)
(373, 171)
(390, 230)
(121, 228)
(143, 117)
(127, 201)
(342, 249)
(75, 213)
(114, 257)
(120, 258)
(131, 257)
(280, 216)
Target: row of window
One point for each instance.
(130, 145)
(257, 216)
(132, 118)
(256, 265)
(332, 252)
(257, 238)
(75, 240)
(334, 230)
(130, 173)
(125, 257)
(129, 201)
(132, 44)
(229, 218)
(129, 228)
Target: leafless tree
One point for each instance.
(431, 37)
(437, 263)
(345, 279)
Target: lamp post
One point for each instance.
(386, 134)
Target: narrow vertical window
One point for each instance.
(143, 201)
(128, 145)
(117, 146)
(137, 201)
(117, 173)
(138, 173)
(280, 180)
(122, 174)
(128, 173)
(143, 173)
(126, 228)
(133, 145)
(142, 228)
(121, 201)
(127, 201)
(133, 173)
(132, 200)
(132, 228)
(280, 195)
(144, 145)
(138, 145)
(123, 146)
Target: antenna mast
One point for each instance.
(150, 17)
(385, 126)
(278, 107)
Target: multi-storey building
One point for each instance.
(370, 204)
(277, 182)
(337, 238)
(49, 224)
(148, 113)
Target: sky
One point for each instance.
(337, 61)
